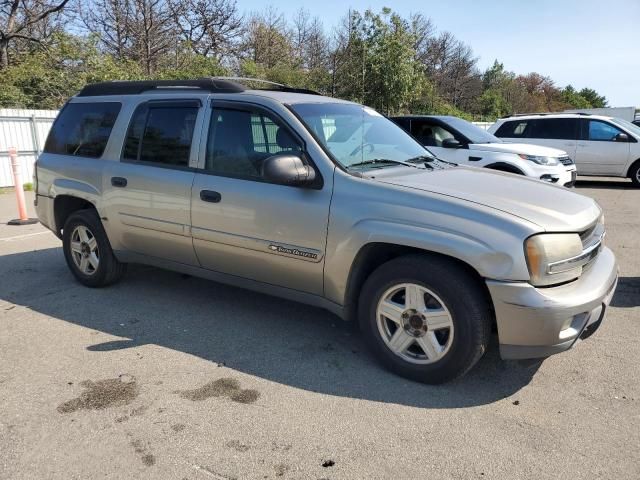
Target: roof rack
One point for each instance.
(210, 84)
(269, 85)
(543, 114)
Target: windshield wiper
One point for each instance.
(374, 161)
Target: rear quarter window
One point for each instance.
(513, 129)
(82, 129)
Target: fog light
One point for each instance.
(551, 178)
(572, 326)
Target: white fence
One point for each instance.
(483, 125)
(26, 130)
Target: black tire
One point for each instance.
(634, 174)
(459, 291)
(109, 269)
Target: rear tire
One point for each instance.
(88, 252)
(445, 335)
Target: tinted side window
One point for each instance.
(161, 134)
(602, 132)
(82, 129)
(240, 140)
(554, 128)
(516, 129)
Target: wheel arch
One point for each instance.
(504, 167)
(374, 254)
(633, 165)
(64, 205)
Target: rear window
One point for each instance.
(82, 129)
(161, 133)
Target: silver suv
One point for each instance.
(325, 202)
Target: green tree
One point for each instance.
(596, 101)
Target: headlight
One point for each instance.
(553, 258)
(548, 161)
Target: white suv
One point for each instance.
(599, 145)
(456, 140)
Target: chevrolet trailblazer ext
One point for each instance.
(326, 202)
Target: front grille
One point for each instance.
(565, 160)
(590, 237)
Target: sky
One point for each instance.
(588, 43)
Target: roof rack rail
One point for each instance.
(134, 87)
(542, 114)
(210, 84)
(270, 85)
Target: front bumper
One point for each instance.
(538, 322)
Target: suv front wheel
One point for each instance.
(425, 318)
(88, 252)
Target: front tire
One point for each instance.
(88, 252)
(425, 318)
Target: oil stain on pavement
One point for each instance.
(223, 387)
(103, 394)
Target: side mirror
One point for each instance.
(621, 137)
(451, 143)
(287, 169)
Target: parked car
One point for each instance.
(456, 140)
(604, 146)
(329, 203)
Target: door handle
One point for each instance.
(119, 182)
(210, 196)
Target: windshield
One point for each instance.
(474, 133)
(359, 136)
(630, 127)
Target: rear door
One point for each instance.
(148, 192)
(242, 224)
(599, 151)
(560, 133)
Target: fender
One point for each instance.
(75, 188)
(489, 261)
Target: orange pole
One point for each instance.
(17, 181)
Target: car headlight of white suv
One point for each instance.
(541, 160)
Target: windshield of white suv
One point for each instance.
(474, 133)
(630, 127)
(359, 136)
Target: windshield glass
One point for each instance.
(474, 133)
(355, 134)
(630, 127)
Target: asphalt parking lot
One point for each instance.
(167, 376)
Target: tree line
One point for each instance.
(49, 49)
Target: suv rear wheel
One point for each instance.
(88, 252)
(425, 318)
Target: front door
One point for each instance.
(148, 192)
(599, 151)
(245, 226)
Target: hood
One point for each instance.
(550, 207)
(523, 148)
